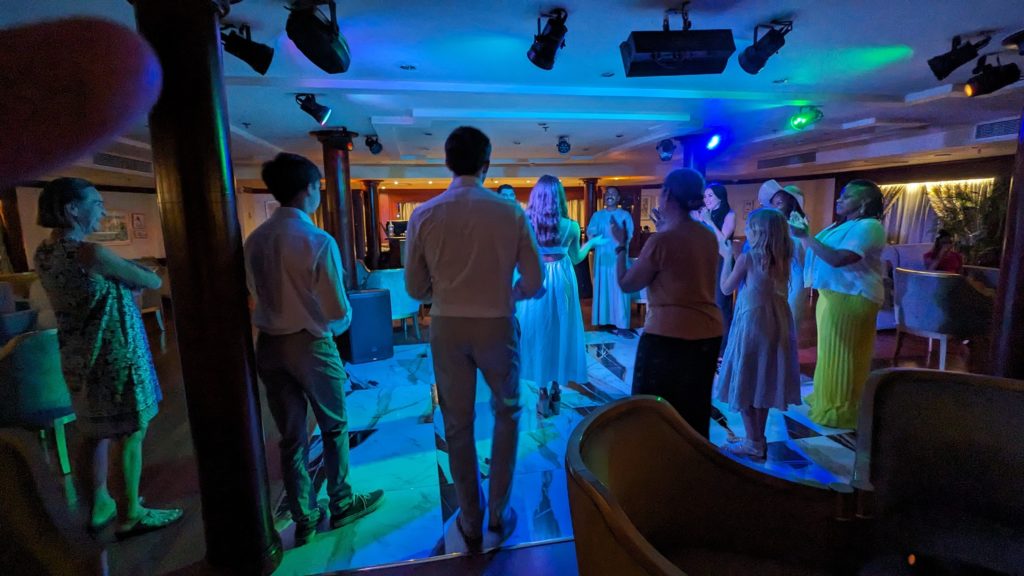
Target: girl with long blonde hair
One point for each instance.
(760, 369)
(551, 343)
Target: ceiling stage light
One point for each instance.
(563, 145)
(238, 42)
(713, 142)
(753, 59)
(547, 43)
(318, 37)
(309, 105)
(666, 148)
(374, 145)
(988, 77)
(962, 52)
(807, 116)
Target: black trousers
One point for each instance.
(680, 371)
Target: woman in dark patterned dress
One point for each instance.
(105, 355)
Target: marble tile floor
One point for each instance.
(397, 444)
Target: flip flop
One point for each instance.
(95, 529)
(151, 520)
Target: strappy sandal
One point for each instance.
(150, 521)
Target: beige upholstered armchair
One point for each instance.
(942, 452)
(649, 496)
(941, 306)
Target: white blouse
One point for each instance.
(864, 237)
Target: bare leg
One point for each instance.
(97, 456)
(131, 462)
(761, 415)
(750, 424)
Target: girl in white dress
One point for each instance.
(551, 346)
(760, 369)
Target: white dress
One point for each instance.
(551, 344)
(760, 368)
(611, 305)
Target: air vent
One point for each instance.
(997, 130)
(122, 163)
(792, 160)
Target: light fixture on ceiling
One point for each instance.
(991, 77)
(408, 67)
(713, 141)
(753, 59)
(806, 116)
(563, 145)
(666, 148)
(318, 37)
(961, 53)
(373, 144)
(547, 43)
(309, 105)
(1015, 41)
(238, 42)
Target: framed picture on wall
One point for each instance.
(140, 234)
(138, 221)
(648, 201)
(113, 230)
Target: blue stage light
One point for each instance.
(713, 142)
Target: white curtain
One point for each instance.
(576, 211)
(909, 217)
(914, 212)
(406, 208)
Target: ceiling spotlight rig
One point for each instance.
(237, 41)
(961, 53)
(309, 105)
(666, 148)
(753, 59)
(373, 145)
(547, 43)
(991, 77)
(563, 145)
(317, 36)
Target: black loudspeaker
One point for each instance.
(368, 338)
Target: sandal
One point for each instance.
(150, 521)
(98, 527)
(748, 448)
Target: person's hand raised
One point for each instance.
(618, 233)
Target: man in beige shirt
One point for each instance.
(463, 248)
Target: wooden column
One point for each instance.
(1008, 358)
(336, 203)
(13, 236)
(372, 203)
(590, 201)
(194, 183)
(359, 224)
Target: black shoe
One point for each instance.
(506, 526)
(305, 530)
(474, 544)
(362, 504)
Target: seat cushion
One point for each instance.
(705, 562)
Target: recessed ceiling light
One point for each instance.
(616, 178)
(430, 181)
(408, 67)
(395, 182)
(496, 181)
(619, 135)
(527, 181)
(608, 74)
(516, 142)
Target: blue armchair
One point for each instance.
(33, 393)
(403, 306)
(940, 306)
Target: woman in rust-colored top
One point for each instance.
(678, 352)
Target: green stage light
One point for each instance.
(807, 116)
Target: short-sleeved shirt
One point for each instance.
(864, 237)
(681, 298)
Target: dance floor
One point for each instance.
(397, 444)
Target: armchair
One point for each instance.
(33, 393)
(649, 496)
(403, 306)
(940, 306)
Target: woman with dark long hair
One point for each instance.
(844, 264)
(551, 343)
(719, 216)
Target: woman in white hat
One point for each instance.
(790, 201)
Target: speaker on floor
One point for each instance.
(369, 336)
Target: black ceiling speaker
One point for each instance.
(317, 36)
(676, 52)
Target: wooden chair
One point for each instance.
(33, 393)
(649, 496)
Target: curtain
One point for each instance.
(958, 205)
(406, 208)
(576, 211)
(909, 216)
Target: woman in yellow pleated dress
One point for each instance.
(844, 265)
